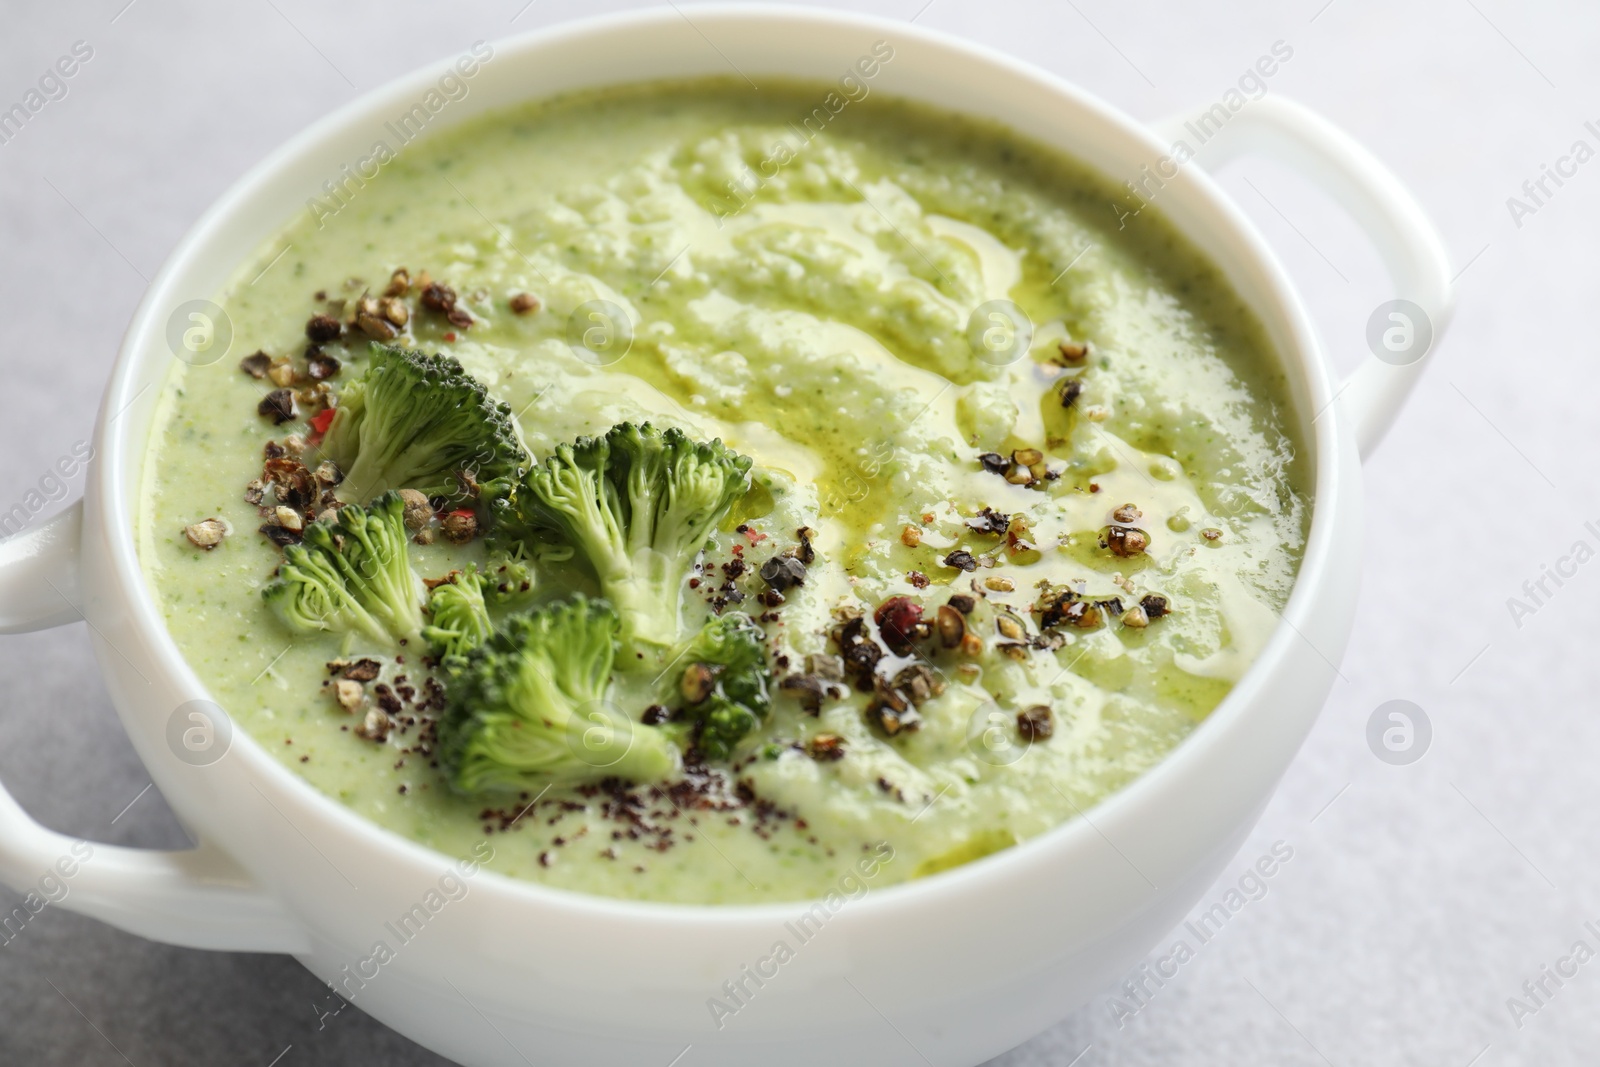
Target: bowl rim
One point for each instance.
(1305, 365)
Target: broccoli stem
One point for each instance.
(648, 596)
(566, 744)
(376, 564)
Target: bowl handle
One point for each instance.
(1418, 265)
(197, 898)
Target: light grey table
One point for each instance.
(1419, 898)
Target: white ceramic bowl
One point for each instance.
(949, 970)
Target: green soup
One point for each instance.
(820, 297)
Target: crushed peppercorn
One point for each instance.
(207, 534)
(256, 365)
(782, 572)
(989, 521)
(321, 329)
(899, 622)
(1035, 723)
(961, 559)
(1126, 541)
(320, 366)
(278, 406)
(826, 748)
(460, 527)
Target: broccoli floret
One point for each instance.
(460, 605)
(639, 504)
(724, 685)
(415, 421)
(507, 582)
(352, 575)
(527, 708)
(460, 616)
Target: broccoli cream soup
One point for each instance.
(704, 502)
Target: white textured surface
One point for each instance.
(1416, 902)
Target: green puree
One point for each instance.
(813, 314)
